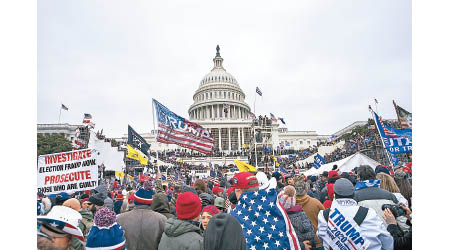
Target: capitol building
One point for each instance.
(219, 106)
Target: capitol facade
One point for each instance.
(219, 106)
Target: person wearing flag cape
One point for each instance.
(349, 226)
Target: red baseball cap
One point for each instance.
(244, 180)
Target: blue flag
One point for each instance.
(266, 149)
(264, 221)
(284, 171)
(282, 120)
(394, 159)
(318, 161)
(396, 141)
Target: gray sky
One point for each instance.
(319, 64)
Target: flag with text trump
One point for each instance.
(264, 221)
(174, 129)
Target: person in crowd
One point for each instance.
(143, 227)
(323, 181)
(207, 212)
(217, 191)
(200, 186)
(310, 206)
(160, 204)
(96, 202)
(118, 203)
(108, 202)
(312, 191)
(183, 232)
(368, 192)
(345, 215)
(224, 233)
(61, 198)
(56, 229)
(401, 178)
(219, 202)
(106, 233)
(388, 183)
(74, 204)
(279, 178)
(402, 239)
(333, 175)
(206, 199)
(302, 225)
(290, 178)
(159, 187)
(46, 205)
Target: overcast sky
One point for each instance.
(319, 64)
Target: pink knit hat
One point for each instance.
(287, 197)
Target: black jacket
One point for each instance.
(401, 241)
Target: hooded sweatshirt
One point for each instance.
(160, 204)
(181, 234)
(302, 225)
(224, 233)
(311, 207)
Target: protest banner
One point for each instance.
(67, 172)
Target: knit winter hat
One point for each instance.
(343, 187)
(277, 176)
(216, 190)
(287, 197)
(382, 169)
(97, 199)
(106, 233)
(210, 209)
(144, 195)
(72, 203)
(299, 185)
(400, 174)
(188, 206)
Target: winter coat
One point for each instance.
(375, 197)
(87, 220)
(143, 227)
(118, 206)
(311, 207)
(109, 203)
(181, 235)
(401, 241)
(160, 204)
(371, 228)
(302, 226)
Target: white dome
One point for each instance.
(218, 88)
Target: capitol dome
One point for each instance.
(219, 96)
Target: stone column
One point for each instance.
(243, 136)
(239, 139)
(229, 139)
(220, 139)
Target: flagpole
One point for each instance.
(384, 146)
(154, 130)
(59, 119)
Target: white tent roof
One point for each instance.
(345, 165)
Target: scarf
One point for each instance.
(366, 184)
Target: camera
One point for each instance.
(396, 210)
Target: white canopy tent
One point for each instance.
(345, 165)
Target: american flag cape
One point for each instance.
(174, 129)
(264, 221)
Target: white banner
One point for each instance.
(67, 172)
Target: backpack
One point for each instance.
(87, 224)
(358, 218)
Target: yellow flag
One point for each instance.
(244, 167)
(130, 178)
(244, 145)
(120, 174)
(134, 154)
(180, 160)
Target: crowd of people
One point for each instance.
(367, 208)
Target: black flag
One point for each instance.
(136, 141)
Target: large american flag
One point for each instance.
(174, 129)
(264, 221)
(386, 131)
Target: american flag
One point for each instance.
(87, 116)
(226, 107)
(264, 221)
(174, 129)
(386, 131)
(253, 116)
(274, 119)
(258, 91)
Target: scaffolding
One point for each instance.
(261, 136)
